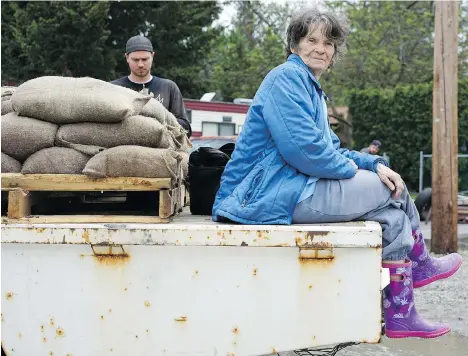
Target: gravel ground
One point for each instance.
(445, 300)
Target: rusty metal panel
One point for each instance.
(198, 231)
(150, 299)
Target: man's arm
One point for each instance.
(177, 108)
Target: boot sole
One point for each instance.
(437, 277)
(421, 334)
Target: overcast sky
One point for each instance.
(229, 11)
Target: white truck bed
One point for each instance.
(191, 287)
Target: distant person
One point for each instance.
(139, 54)
(373, 148)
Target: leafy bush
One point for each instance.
(402, 120)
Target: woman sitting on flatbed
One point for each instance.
(288, 168)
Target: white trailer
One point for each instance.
(189, 287)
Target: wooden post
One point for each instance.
(445, 129)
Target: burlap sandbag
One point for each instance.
(10, 165)
(184, 163)
(6, 107)
(22, 136)
(156, 110)
(134, 161)
(64, 100)
(91, 138)
(55, 160)
(7, 91)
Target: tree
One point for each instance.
(88, 39)
(390, 43)
(55, 38)
(243, 55)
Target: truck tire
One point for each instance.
(423, 203)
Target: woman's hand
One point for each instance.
(354, 165)
(391, 179)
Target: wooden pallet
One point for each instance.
(22, 196)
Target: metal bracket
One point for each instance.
(108, 250)
(316, 253)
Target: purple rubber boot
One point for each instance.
(427, 269)
(401, 318)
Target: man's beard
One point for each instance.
(141, 73)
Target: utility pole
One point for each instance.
(445, 129)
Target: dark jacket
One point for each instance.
(166, 92)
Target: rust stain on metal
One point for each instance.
(195, 273)
(181, 319)
(52, 322)
(299, 240)
(255, 271)
(147, 304)
(112, 260)
(102, 317)
(42, 328)
(317, 262)
(60, 332)
(82, 256)
(44, 339)
(273, 350)
(85, 236)
(51, 353)
(147, 331)
(125, 289)
(318, 244)
(40, 230)
(9, 295)
(244, 243)
(235, 330)
(310, 286)
(308, 237)
(311, 234)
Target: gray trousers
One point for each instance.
(363, 197)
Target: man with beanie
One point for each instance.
(139, 54)
(373, 148)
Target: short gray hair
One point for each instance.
(308, 19)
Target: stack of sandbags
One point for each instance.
(6, 93)
(59, 124)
